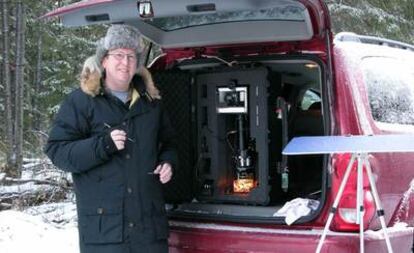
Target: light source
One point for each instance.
(145, 9)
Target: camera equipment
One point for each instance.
(232, 137)
(232, 99)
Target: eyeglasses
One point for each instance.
(121, 56)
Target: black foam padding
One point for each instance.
(175, 89)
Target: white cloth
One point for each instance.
(296, 208)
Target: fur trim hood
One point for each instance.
(90, 79)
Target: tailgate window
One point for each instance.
(284, 13)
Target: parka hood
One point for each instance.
(90, 79)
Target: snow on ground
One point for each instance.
(25, 188)
(49, 228)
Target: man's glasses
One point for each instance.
(121, 56)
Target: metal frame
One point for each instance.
(359, 146)
(362, 162)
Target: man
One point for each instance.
(114, 137)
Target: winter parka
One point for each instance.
(119, 202)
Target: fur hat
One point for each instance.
(119, 36)
(90, 78)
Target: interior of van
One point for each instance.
(233, 120)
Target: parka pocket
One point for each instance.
(101, 224)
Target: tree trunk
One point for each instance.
(36, 113)
(19, 79)
(7, 86)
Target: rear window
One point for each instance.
(390, 84)
(310, 98)
(287, 13)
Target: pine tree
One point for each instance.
(10, 156)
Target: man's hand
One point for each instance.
(165, 172)
(119, 138)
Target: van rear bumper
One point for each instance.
(186, 237)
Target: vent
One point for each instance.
(97, 17)
(201, 8)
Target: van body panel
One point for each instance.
(196, 237)
(354, 117)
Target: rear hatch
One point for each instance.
(186, 23)
(283, 46)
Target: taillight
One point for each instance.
(346, 215)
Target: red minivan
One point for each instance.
(242, 78)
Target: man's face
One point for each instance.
(120, 65)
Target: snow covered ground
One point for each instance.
(48, 228)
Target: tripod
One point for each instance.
(359, 146)
(362, 162)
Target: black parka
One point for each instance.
(119, 202)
